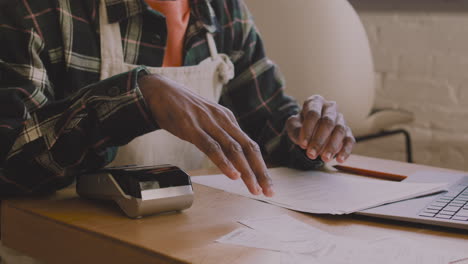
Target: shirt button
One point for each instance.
(156, 39)
(113, 91)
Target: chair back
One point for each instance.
(322, 48)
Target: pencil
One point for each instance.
(370, 173)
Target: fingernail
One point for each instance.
(270, 192)
(259, 189)
(327, 156)
(233, 174)
(236, 174)
(342, 158)
(312, 153)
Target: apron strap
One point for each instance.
(226, 68)
(112, 59)
(212, 45)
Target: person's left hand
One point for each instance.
(321, 130)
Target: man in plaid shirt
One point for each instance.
(58, 119)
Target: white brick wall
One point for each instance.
(420, 51)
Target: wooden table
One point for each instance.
(67, 229)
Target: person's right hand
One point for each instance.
(209, 126)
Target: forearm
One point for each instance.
(257, 97)
(65, 138)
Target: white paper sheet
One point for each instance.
(301, 243)
(280, 233)
(388, 251)
(251, 238)
(325, 192)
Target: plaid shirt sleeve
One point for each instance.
(45, 142)
(256, 95)
(58, 120)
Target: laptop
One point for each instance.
(448, 209)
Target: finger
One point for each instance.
(215, 125)
(230, 115)
(323, 130)
(293, 128)
(347, 147)
(214, 151)
(246, 156)
(310, 115)
(336, 139)
(236, 154)
(258, 166)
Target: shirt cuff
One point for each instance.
(132, 116)
(291, 155)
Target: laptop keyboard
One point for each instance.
(451, 205)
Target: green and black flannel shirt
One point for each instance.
(58, 119)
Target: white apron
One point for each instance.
(206, 79)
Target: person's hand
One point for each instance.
(321, 130)
(209, 126)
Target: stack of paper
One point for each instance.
(300, 243)
(325, 192)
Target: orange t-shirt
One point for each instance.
(177, 13)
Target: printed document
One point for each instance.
(325, 192)
(300, 243)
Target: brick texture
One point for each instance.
(420, 50)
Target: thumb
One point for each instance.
(293, 128)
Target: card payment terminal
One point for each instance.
(139, 190)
